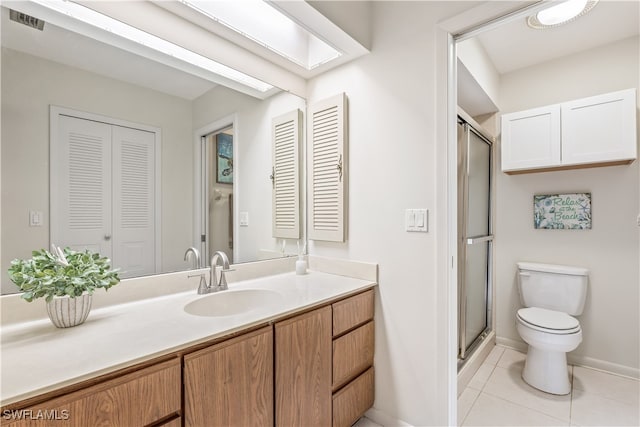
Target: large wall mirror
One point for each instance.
(207, 131)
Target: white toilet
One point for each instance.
(552, 295)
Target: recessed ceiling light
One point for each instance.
(560, 13)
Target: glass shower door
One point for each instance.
(474, 229)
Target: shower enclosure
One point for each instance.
(474, 238)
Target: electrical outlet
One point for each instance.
(35, 219)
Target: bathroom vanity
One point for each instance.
(305, 358)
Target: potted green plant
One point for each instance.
(66, 279)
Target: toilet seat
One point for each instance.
(549, 321)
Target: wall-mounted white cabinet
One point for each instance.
(595, 131)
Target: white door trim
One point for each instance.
(199, 227)
(467, 24)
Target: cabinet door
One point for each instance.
(352, 354)
(600, 128)
(137, 399)
(285, 178)
(327, 169)
(531, 139)
(303, 369)
(231, 383)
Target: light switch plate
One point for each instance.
(417, 220)
(244, 219)
(35, 219)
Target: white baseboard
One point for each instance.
(578, 360)
(379, 417)
(603, 365)
(520, 346)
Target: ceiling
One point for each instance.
(63, 46)
(510, 46)
(514, 45)
(100, 51)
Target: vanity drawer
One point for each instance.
(140, 398)
(352, 401)
(351, 312)
(352, 354)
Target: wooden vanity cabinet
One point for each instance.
(312, 369)
(324, 364)
(303, 369)
(150, 396)
(231, 383)
(353, 349)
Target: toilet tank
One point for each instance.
(554, 287)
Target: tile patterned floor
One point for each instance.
(497, 396)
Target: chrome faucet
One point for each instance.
(196, 256)
(216, 284)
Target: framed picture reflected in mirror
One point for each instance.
(224, 158)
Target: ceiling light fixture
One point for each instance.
(560, 13)
(270, 28)
(108, 24)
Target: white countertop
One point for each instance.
(37, 357)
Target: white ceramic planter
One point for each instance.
(65, 312)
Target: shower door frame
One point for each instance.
(464, 241)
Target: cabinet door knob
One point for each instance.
(107, 237)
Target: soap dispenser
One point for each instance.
(301, 263)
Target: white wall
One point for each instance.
(610, 250)
(475, 59)
(252, 135)
(392, 167)
(29, 86)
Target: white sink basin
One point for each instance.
(231, 303)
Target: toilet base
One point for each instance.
(547, 371)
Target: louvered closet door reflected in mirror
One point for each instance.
(103, 191)
(327, 169)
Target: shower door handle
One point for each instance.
(474, 240)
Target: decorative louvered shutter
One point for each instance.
(133, 201)
(285, 175)
(327, 169)
(80, 179)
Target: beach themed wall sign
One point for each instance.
(562, 211)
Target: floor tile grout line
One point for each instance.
(525, 407)
(602, 396)
(528, 392)
(461, 422)
(495, 365)
(573, 377)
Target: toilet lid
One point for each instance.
(548, 319)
